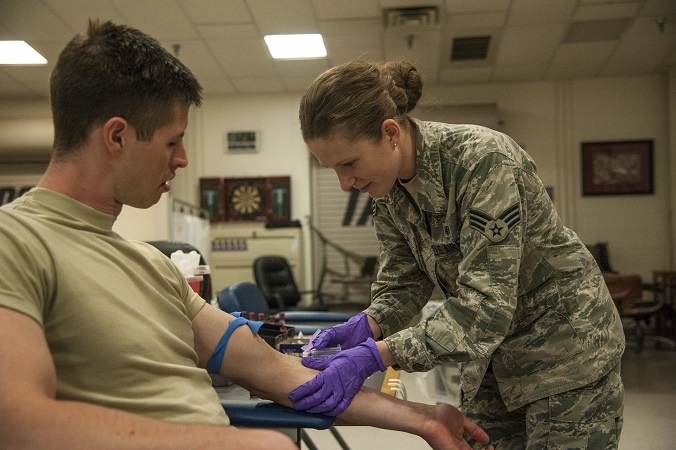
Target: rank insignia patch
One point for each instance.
(495, 229)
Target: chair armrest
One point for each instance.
(316, 316)
(267, 414)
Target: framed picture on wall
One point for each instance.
(617, 168)
(280, 199)
(211, 197)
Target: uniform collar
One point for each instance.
(431, 193)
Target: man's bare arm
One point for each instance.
(253, 364)
(33, 418)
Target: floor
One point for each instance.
(649, 416)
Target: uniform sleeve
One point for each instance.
(474, 322)
(25, 268)
(402, 288)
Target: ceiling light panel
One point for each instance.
(19, 53)
(296, 46)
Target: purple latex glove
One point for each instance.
(347, 335)
(331, 391)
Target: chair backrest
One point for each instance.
(600, 253)
(243, 296)
(369, 267)
(227, 302)
(169, 247)
(275, 279)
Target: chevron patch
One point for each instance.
(495, 229)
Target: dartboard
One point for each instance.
(246, 200)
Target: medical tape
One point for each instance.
(216, 360)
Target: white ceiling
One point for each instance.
(222, 40)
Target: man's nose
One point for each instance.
(180, 156)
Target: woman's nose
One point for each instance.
(346, 183)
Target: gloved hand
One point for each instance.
(348, 334)
(331, 391)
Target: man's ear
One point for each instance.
(116, 134)
(391, 130)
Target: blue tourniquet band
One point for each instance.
(216, 360)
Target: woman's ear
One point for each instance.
(391, 130)
(115, 132)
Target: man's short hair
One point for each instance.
(115, 70)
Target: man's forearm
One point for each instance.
(58, 424)
(277, 374)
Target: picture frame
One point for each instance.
(280, 199)
(617, 168)
(211, 198)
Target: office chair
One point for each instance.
(246, 296)
(645, 317)
(169, 247)
(275, 279)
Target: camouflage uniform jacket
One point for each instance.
(522, 291)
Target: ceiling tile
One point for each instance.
(606, 11)
(350, 27)
(462, 22)
(31, 20)
(655, 7)
(346, 48)
(631, 56)
(77, 13)
(521, 72)
(476, 6)
(536, 12)
(581, 60)
(161, 19)
(346, 9)
(197, 57)
(243, 58)
(216, 11)
(529, 45)
(222, 31)
(282, 17)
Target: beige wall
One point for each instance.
(550, 119)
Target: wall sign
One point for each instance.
(241, 141)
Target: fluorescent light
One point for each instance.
(18, 52)
(296, 46)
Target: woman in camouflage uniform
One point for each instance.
(527, 312)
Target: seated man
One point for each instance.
(102, 342)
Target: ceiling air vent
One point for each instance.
(470, 48)
(410, 17)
